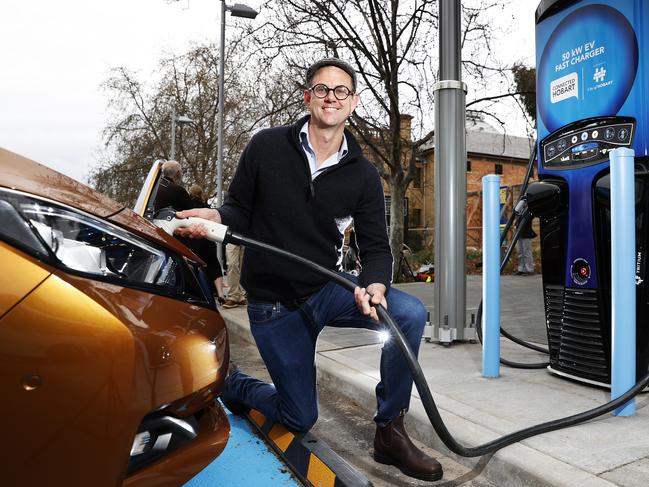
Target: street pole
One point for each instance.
(173, 133)
(219, 161)
(450, 179)
(236, 10)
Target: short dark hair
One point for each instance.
(330, 61)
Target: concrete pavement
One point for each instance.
(605, 452)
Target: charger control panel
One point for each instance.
(587, 143)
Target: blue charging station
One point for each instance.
(592, 97)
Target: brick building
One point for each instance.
(488, 152)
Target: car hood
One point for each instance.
(22, 174)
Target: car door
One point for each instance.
(144, 206)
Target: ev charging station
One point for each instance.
(592, 97)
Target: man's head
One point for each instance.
(196, 191)
(330, 61)
(172, 170)
(330, 93)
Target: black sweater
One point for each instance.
(273, 199)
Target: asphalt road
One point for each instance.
(350, 432)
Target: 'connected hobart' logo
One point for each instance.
(564, 88)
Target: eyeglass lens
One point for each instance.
(341, 92)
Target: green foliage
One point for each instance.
(525, 81)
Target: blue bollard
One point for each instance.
(623, 319)
(490, 276)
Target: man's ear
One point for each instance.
(355, 100)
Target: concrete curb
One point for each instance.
(310, 459)
(514, 466)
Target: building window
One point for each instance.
(468, 165)
(415, 218)
(498, 168)
(418, 181)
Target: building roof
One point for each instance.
(499, 145)
(484, 139)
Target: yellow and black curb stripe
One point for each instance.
(310, 459)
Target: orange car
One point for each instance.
(112, 353)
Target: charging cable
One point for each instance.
(220, 233)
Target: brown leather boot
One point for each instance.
(392, 446)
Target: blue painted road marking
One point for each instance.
(247, 461)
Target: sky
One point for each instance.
(56, 55)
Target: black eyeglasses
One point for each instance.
(341, 92)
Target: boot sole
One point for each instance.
(386, 460)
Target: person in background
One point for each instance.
(236, 292)
(524, 247)
(207, 250)
(171, 193)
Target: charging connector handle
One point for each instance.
(216, 232)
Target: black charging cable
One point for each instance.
(524, 219)
(418, 376)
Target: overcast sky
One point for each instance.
(55, 56)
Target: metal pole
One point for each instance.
(173, 133)
(490, 276)
(219, 162)
(623, 272)
(450, 180)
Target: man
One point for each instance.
(170, 192)
(298, 187)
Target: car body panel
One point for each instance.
(178, 344)
(84, 360)
(18, 277)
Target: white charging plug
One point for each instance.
(216, 232)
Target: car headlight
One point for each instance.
(82, 243)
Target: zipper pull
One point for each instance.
(311, 191)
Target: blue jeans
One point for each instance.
(286, 339)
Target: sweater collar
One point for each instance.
(354, 149)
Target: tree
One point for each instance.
(391, 45)
(525, 83)
(139, 127)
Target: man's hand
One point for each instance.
(366, 299)
(197, 231)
